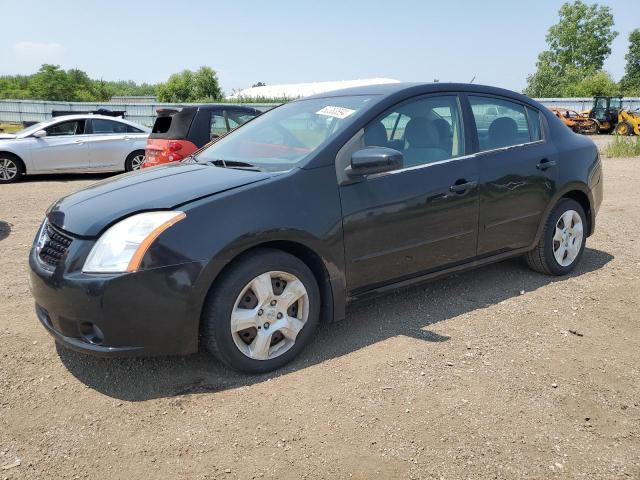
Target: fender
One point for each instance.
(571, 187)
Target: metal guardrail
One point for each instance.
(19, 111)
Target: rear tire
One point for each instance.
(11, 168)
(261, 312)
(624, 128)
(562, 242)
(134, 161)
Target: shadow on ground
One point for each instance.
(5, 229)
(65, 177)
(408, 312)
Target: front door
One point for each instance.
(422, 217)
(517, 173)
(64, 148)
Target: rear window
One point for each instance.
(162, 125)
(173, 126)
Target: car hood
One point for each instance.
(7, 136)
(87, 212)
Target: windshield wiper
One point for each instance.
(235, 164)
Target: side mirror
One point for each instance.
(40, 133)
(374, 160)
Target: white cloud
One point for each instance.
(36, 52)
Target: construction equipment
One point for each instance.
(575, 121)
(605, 112)
(628, 122)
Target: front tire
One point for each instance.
(562, 242)
(262, 312)
(11, 169)
(134, 161)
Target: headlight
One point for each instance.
(121, 247)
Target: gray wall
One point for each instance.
(144, 113)
(38, 111)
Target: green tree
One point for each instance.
(598, 83)
(578, 46)
(582, 37)
(630, 83)
(188, 86)
(51, 83)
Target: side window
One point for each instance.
(131, 129)
(101, 126)
(499, 123)
(426, 130)
(217, 126)
(72, 127)
(534, 124)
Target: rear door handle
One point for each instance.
(79, 142)
(544, 164)
(462, 187)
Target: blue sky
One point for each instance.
(292, 41)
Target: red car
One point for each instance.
(178, 132)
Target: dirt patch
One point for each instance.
(495, 373)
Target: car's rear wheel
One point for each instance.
(11, 168)
(134, 161)
(261, 312)
(563, 240)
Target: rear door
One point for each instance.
(109, 144)
(63, 148)
(517, 172)
(422, 217)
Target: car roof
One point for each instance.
(85, 116)
(417, 88)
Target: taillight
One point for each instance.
(175, 146)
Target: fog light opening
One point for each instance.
(91, 333)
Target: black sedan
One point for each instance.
(279, 225)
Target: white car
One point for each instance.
(73, 143)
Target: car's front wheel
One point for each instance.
(261, 312)
(11, 169)
(562, 242)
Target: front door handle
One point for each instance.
(545, 163)
(79, 142)
(461, 186)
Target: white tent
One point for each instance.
(297, 90)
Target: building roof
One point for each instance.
(298, 90)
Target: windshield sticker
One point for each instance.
(336, 112)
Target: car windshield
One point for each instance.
(32, 129)
(285, 136)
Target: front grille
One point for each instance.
(52, 245)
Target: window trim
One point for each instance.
(474, 128)
(343, 157)
(93, 132)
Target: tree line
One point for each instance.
(578, 45)
(51, 82)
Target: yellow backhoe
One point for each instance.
(628, 122)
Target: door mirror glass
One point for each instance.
(374, 160)
(40, 133)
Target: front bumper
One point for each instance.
(151, 312)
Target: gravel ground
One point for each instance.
(495, 373)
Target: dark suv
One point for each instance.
(321, 201)
(178, 132)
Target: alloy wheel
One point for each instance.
(268, 315)
(568, 237)
(8, 169)
(137, 161)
